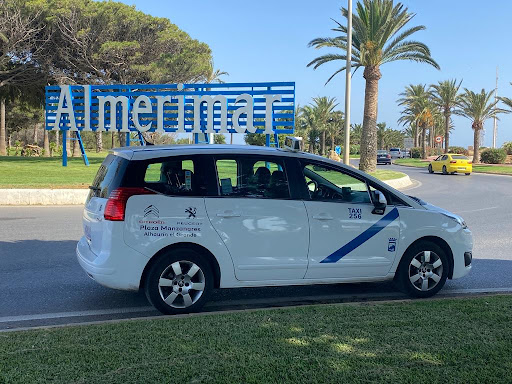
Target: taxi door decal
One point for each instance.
(362, 238)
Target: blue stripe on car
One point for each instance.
(362, 238)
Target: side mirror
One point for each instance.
(379, 202)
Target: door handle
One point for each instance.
(228, 214)
(323, 216)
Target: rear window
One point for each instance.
(109, 177)
(382, 152)
(176, 176)
(459, 157)
(395, 149)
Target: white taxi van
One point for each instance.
(180, 221)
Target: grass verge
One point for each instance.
(478, 168)
(48, 172)
(465, 340)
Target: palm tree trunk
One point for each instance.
(322, 149)
(3, 150)
(332, 143)
(76, 147)
(423, 139)
(113, 139)
(416, 133)
(476, 146)
(46, 143)
(36, 128)
(368, 162)
(99, 142)
(446, 132)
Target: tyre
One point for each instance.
(430, 170)
(423, 270)
(467, 174)
(445, 172)
(180, 281)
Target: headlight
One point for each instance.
(458, 219)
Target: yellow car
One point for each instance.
(451, 163)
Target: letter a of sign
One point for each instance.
(65, 97)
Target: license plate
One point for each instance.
(87, 232)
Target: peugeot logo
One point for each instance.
(151, 210)
(191, 212)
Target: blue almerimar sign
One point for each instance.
(183, 108)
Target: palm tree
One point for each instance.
(418, 109)
(378, 38)
(335, 126)
(381, 132)
(308, 126)
(324, 107)
(477, 107)
(214, 75)
(445, 96)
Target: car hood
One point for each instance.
(434, 208)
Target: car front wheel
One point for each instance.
(180, 281)
(430, 170)
(423, 270)
(445, 171)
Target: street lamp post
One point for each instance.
(348, 73)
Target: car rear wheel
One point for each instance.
(180, 281)
(468, 173)
(430, 170)
(423, 270)
(445, 172)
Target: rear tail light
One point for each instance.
(388, 156)
(453, 162)
(470, 162)
(116, 204)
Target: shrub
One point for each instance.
(416, 153)
(354, 149)
(493, 156)
(459, 150)
(508, 147)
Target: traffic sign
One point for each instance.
(337, 149)
(408, 142)
(439, 139)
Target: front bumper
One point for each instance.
(462, 250)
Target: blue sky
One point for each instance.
(267, 41)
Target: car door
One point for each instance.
(265, 231)
(347, 240)
(435, 164)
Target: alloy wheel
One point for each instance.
(181, 284)
(425, 270)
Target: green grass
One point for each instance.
(478, 168)
(48, 172)
(436, 341)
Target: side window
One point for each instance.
(445, 157)
(327, 184)
(252, 177)
(174, 176)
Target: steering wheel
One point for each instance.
(315, 189)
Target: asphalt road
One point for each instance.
(42, 283)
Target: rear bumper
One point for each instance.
(462, 169)
(121, 269)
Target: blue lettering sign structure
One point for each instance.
(201, 109)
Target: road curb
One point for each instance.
(43, 196)
(402, 182)
(78, 196)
